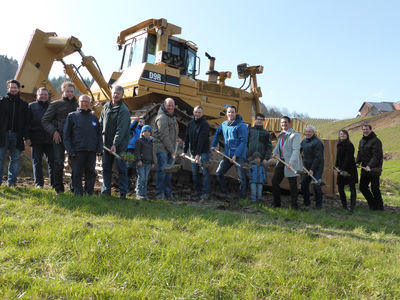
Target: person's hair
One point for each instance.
(260, 115)
(168, 99)
(67, 84)
(13, 81)
(345, 132)
(367, 125)
(198, 107)
(286, 117)
(84, 95)
(311, 127)
(119, 88)
(231, 106)
(42, 89)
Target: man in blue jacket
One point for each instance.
(83, 140)
(234, 131)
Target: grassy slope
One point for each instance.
(100, 248)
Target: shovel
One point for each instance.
(244, 166)
(112, 153)
(287, 165)
(202, 165)
(315, 181)
(172, 168)
(342, 173)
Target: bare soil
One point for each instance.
(183, 195)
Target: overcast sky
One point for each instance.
(320, 57)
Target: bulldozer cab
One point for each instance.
(142, 48)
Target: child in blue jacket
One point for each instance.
(257, 177)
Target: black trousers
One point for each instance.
(353, 195)
(277, 178)
(374, 199)
(84, 161)
(305, 188)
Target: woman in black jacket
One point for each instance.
(346, 164)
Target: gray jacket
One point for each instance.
(290, 150)
(115, 121)
(165, 132)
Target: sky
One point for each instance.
(321, 58)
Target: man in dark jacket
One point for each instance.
(197, 141)
(313, 160)
(370, 159)
(53, 123)
(114, 121)
(259, 140)
(13, 130)
(41, 142)
(83, 140)
(234, 131)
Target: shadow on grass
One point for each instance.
(314, 223)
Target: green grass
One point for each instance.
(91, 247)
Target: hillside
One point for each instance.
(386, 126)
(102, 248)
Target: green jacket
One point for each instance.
(115, 121)
(165, 132)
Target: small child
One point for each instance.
(257, 177)
(144, 158)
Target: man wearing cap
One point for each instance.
(13, 130)
(145, 161)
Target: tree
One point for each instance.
(8, 68)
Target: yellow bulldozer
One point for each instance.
(155, 64)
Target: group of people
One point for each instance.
(69, 125)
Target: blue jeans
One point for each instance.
(256, 191)
(204, 186)
(223, 167)
(141, 181)
(14, 154)
(59, 157)
(37, 156)
(107, 164)
(163, 180)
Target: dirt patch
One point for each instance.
(220, 201)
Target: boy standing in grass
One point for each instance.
(257, 177)
(144, 158)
